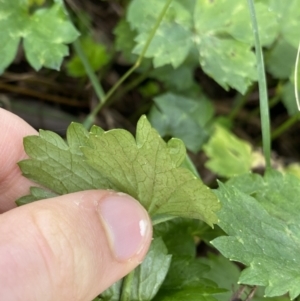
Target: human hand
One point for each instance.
(71, 247)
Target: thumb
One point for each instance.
(71, 247)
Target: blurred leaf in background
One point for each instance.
(228, 155)
(260, 216)
(281, 59)
(96, 54)
(223, 44)
(182, 117)
(45, 34)
(287, 14)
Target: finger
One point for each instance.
(12, 184)
(71, 247)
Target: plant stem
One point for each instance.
(262, 84)
(89, 71)
(128, 87)
(126, 287)
(90, 119)
(285, 126)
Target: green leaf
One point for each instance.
(294, 169)
(125, 40)
(228, 155)
(172, 78)
(288, 16)
(185, 281)
(148, 276)
(36, 194)
(223, 272)
(149, 170)
(96, 54)
(182, 117)
(223, 43)
(230, 63)
(37, 2)
(262, 224)
(179, 235)
(149, 89)
(45, 34)
(146, 168)
(278, 67)
(58, 165)
(113, 293)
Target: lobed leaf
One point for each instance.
(223, 44)
(182, 117)
(58, 165)
(149, 170)
(260, 216)
(228, 155)
(146, 168)
(45, 34)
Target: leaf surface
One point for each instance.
(183, 231)
(182, 117)
(149, 170)
(58, 165)
(96, 54)
(223, 272)
(185, 281)
(45, 34)
(228, 155)
(278, 67)
(287, 13)
(223, 44)
(263, 230)
(146, 168)
(148, 276)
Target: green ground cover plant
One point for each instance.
(249, 218)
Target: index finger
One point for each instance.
(12, 184)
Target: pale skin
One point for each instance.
(70, 247)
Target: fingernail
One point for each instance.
(127, 225)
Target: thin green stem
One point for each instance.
(285, 126)
(153, 31)
(262, 84)
(90, 119)
(89, 71)
(128, 87)
(126, 287)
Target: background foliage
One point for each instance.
(189, 66)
